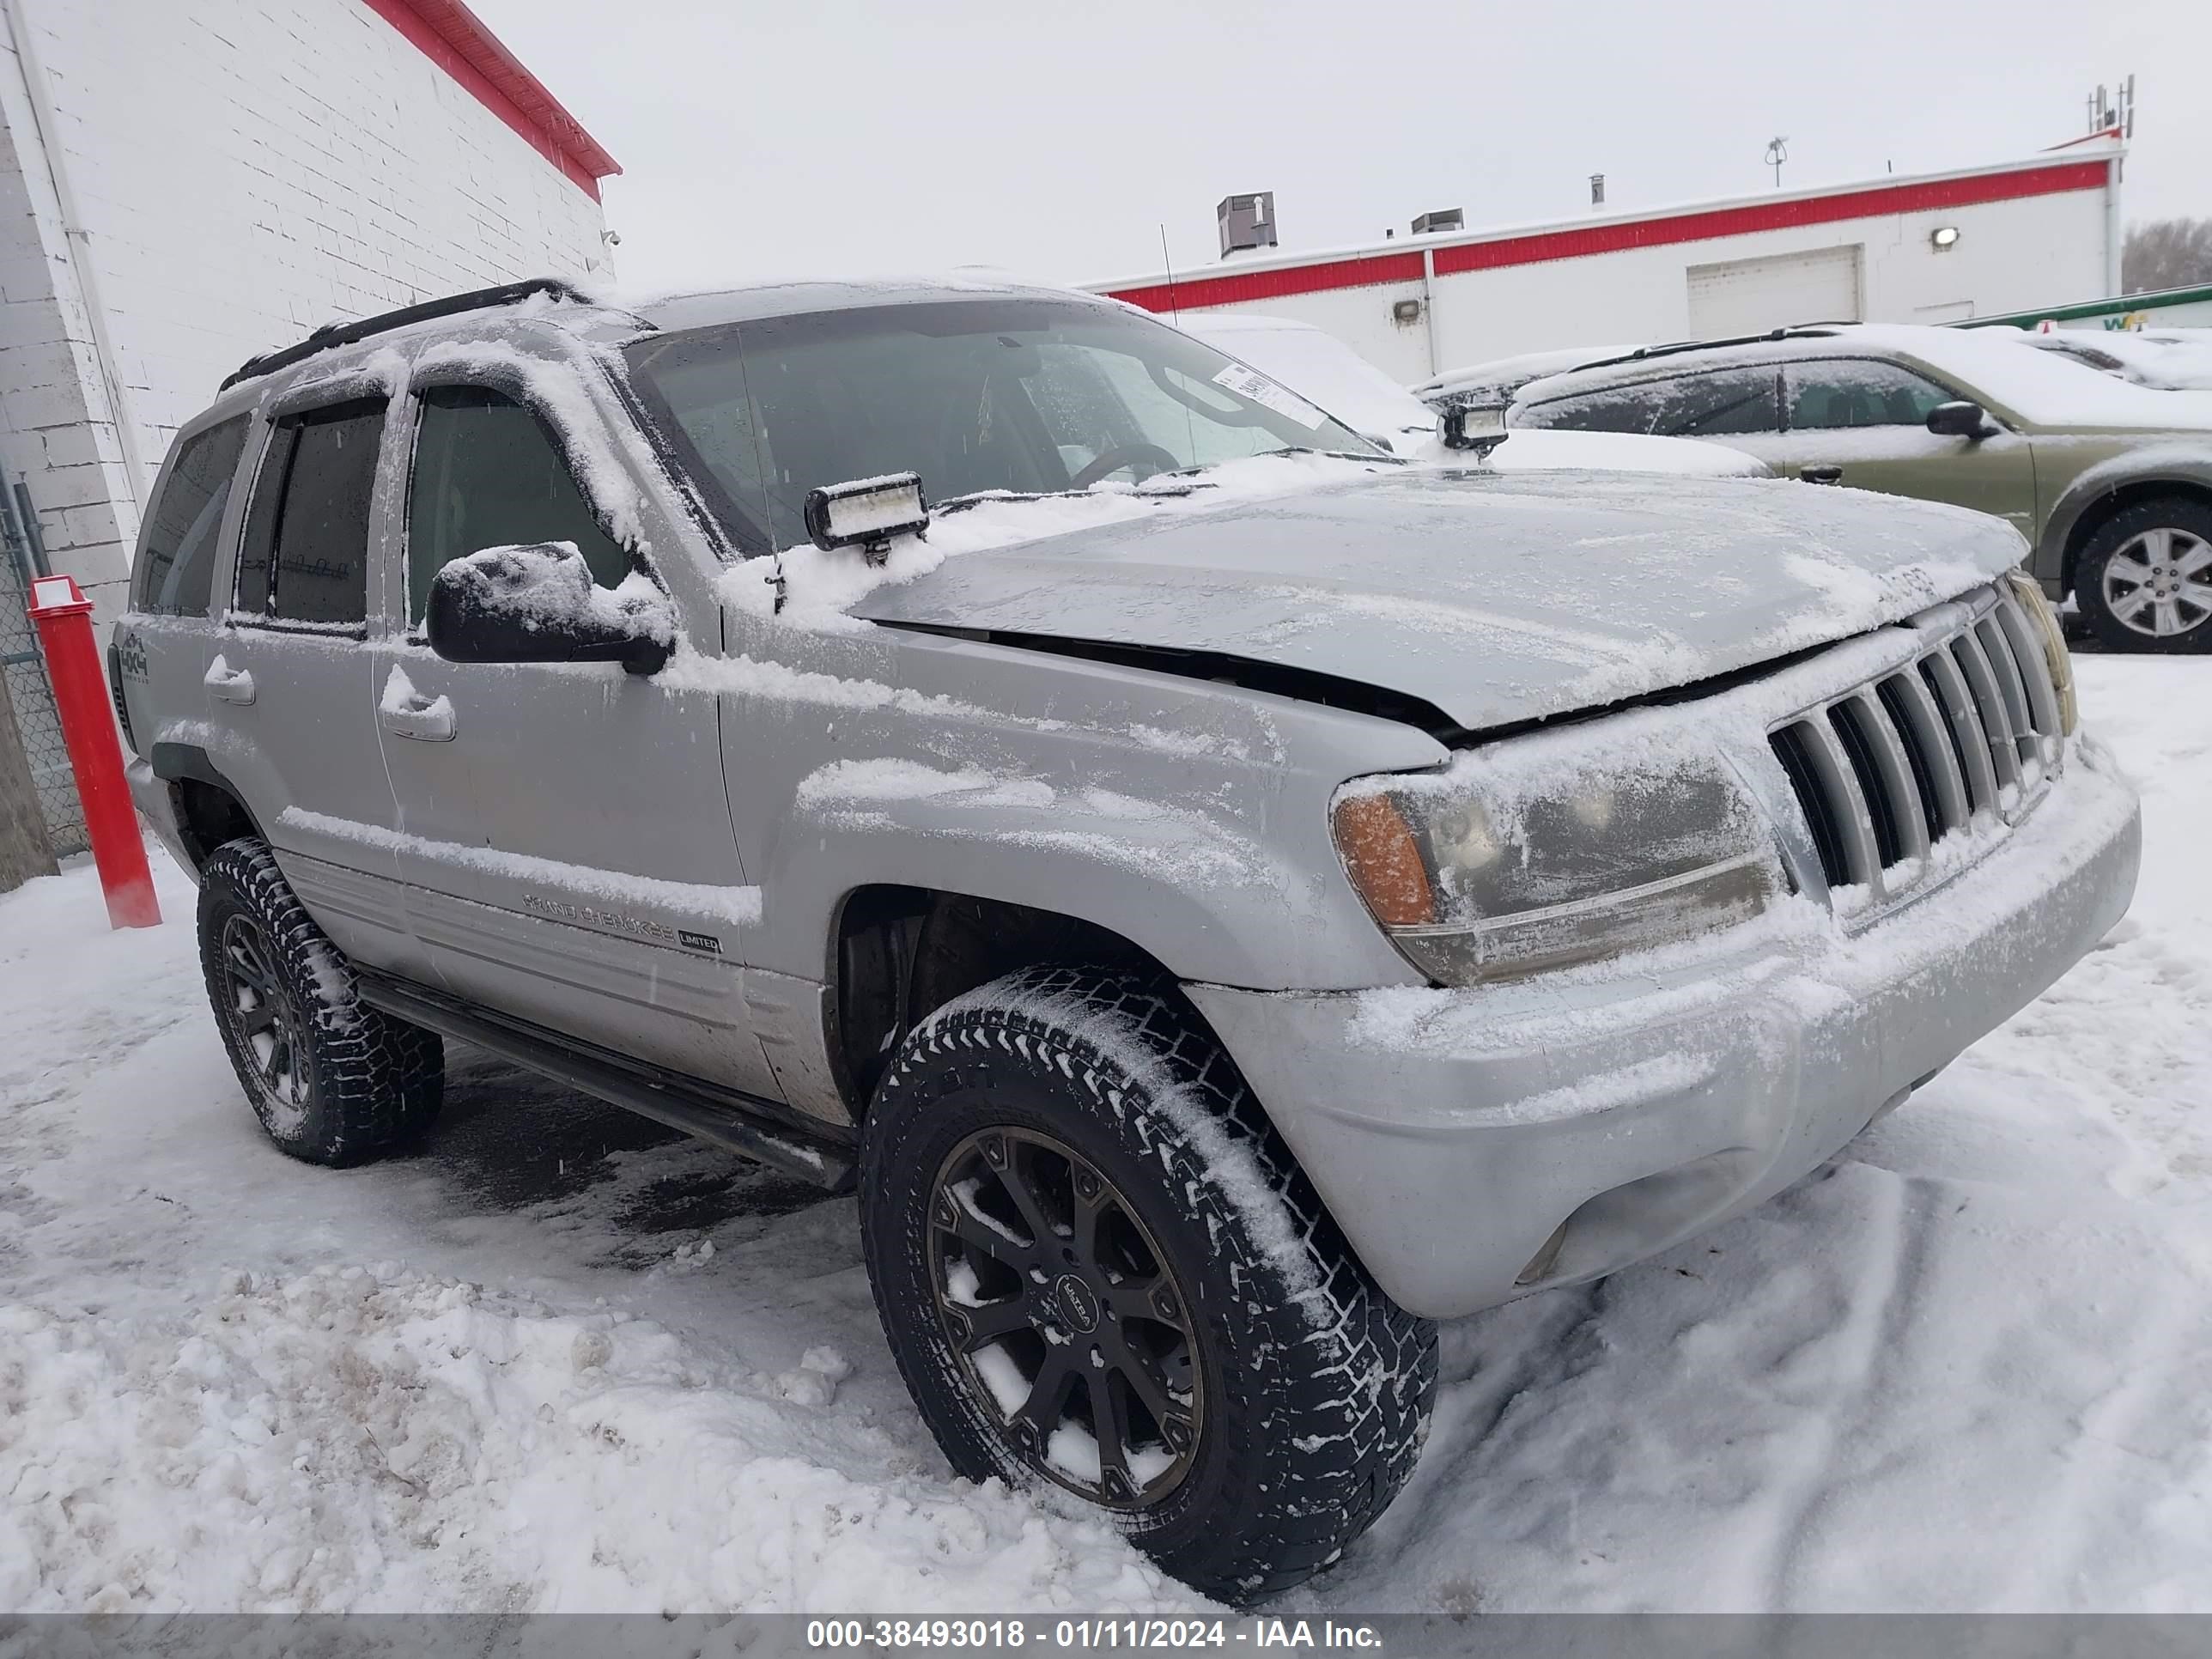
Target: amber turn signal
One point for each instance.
(1384, 861)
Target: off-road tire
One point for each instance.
(1317, 1387)
(372, 1082)
(2184, 513)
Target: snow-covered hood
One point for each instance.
(1496, 598)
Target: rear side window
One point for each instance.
(176, 561)
(1725, 402)
(305, 556)
(488, 474)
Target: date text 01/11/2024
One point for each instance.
(1092, 1633)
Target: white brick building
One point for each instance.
(185, 184)
(1940, 247)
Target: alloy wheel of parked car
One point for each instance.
(332, 1080)
(2145, 579)
(2160, 583)
(265, 1022)
(1062, 1307)
(1098, 1267)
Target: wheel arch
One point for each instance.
(2081, 517)
(210, 810)
(896, 953)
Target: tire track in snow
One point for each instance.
(1877, 1318)
(2157, 1401)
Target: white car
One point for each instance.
(2168, 359)
(1326, 372)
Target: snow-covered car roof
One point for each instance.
(1502, 376)
(749, 302)
(2038, 388)
(2170, 359)
(1318, 367)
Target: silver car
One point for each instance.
(1226, 898)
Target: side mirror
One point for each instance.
(537, 603)
(1960, 419)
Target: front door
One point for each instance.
(568, 850)
(1863, 424)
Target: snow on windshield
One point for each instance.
(1031, 394)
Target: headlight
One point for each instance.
(2052, 637)
(1476, 876)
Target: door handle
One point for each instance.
(230, 684)
(1821, 474)
(426, 719)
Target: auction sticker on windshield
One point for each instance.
(1251, 383)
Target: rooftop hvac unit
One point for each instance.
(1451, 219)
(1247, 222)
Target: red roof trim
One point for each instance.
(1701, 225)
(454, 39)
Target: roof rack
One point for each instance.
(331, 336)
(1793, 332)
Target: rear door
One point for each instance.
(163, 647)
(290, 677)
(1863, 422)
(569, 854)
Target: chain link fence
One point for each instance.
(34, 698)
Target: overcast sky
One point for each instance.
(834, 137)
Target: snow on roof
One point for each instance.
(2176, 359)
(2040, 388)
(1503, 374)
(1318, 367)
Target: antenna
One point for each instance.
(1175, 310)
(1777, 152)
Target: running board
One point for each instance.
(727, 1117)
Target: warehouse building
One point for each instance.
(1940, 247)
(184, 185)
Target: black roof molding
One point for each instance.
(334, 335)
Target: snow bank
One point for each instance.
(373, 1439)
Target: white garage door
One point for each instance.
(1748, 296)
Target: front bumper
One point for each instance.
(1475, 1145)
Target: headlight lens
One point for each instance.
(2052, 636)
(1476, 878)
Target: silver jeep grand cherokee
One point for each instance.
(1228, 899)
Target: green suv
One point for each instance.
(2111, 484)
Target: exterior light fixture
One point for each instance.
(1943, 238)
(1406, 311)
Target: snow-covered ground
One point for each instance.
(559, 1359)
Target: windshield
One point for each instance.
(1027, 395)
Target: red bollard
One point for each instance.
(64, 618)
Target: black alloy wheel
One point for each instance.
(266, 1026)
(1065, 1313)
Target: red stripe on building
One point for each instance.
(1204, 291)
(1579, 243)
(454, 39)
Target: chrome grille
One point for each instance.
(1965, 734)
